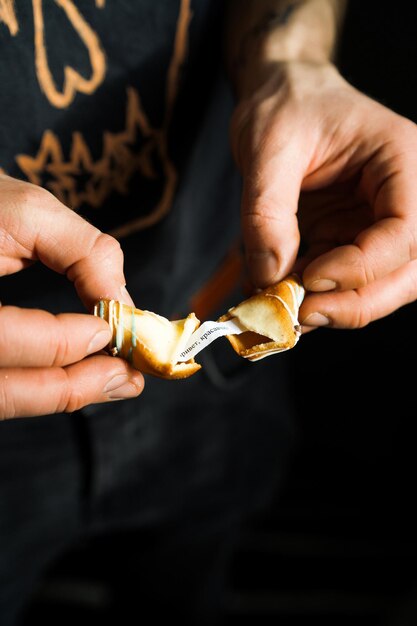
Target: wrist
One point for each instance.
(287, 80)
(277, 33)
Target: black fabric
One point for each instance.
(135, 43)
(190, 465)
(187, 461)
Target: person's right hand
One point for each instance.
(325, 164)
(44, 362)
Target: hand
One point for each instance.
(324, 164)
(43, 368)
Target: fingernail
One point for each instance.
(316, 319)
(99, 341)
(120, 387)
(322, 284)
(263, 267)
(125, 297)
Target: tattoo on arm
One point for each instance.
(270, 20)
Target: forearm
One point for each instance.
(264, 32)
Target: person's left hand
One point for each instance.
(51, 363)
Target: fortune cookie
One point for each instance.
(150, 342)
(267, 323)
(271, 319)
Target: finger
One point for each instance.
(312, 252)
(40, 227)
(357, 308)
(34, 338)
(42, 391)
(307, 329)
(269, 206)
(376, 252)
(389, 186)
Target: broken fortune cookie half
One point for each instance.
(150, 342)
(271, 320)
(264, 324)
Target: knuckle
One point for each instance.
(7, 404)
(262, 211)
(368, 272)
(104, 252)
(22, 202)
(61, 350)
(253, 221)
(71, 397)
(353, 311)
(361, 313)
(106, 246)
(411, 285)
(362, 266)
(74, 401)
(4, 334)
(29, 196)
(363, 319)
(58, 346)
(412, 241)
(65, 348)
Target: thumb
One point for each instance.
(271, 189)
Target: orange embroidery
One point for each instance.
(120, 159)
(73, 81)
(8, 16)
(112, 171)
(180, 52)
(160, 136)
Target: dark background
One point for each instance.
(339, 543)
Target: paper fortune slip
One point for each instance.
(206, 334)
